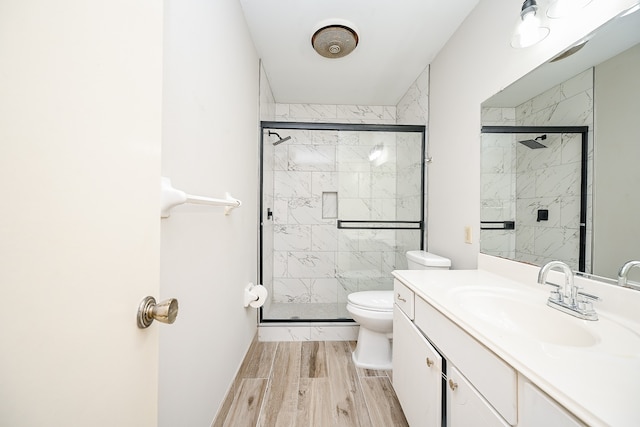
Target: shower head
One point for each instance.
(286, 138)
(280, 140)
(533, 143)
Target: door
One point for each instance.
(80, 102)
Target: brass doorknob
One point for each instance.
(148, 311)
(429, 362)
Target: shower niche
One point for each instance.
(340, 206)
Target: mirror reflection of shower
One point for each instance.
(280, 140)
(533, 143)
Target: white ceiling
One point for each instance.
(398, 39)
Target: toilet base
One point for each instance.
(373, 350)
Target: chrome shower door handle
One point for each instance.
(148, 311)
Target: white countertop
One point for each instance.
(599, 383)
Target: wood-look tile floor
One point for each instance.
(308, 384)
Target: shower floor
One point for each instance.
(306, 311)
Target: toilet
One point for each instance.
(373, 311)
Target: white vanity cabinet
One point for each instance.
(417, 373)
(512, 359)
(417, 369)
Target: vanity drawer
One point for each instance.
(490, 375)
(403, 297)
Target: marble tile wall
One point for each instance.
(498, 186)
(307, 332)
(412, 109)
(568, 104)
(372, 114)
(314, 261)
(498, 116)
(549, 178)
(408, 190)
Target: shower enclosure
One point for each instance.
(340, 206)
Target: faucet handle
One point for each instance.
(585, 301)
(589, 296)
(555, 293)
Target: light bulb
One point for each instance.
(530, 31)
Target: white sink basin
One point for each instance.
(512, 312)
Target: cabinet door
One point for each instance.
(466, 407)
(417, 373)
(536, 409)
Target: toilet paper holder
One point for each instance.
(254, 295)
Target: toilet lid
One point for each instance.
(372, 300)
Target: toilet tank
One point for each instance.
(422, 260)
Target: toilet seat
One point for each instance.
(372, 300)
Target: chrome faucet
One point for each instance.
(569, 288)
(570, 300)
(624, 272)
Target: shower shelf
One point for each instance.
(171, 197)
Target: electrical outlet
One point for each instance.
(468, 236)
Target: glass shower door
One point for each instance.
(340, 209)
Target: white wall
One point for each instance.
(616, 226)
(209, 146)
(477, 62)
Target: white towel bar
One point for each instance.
(171, 197)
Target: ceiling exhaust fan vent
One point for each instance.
(334, 41)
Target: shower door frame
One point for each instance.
(352, 127)
(584, 159)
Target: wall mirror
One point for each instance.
(551, 195)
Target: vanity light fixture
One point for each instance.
(529, 30)
(563, 8)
